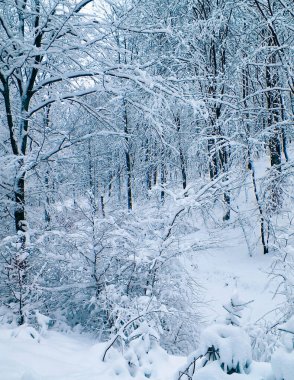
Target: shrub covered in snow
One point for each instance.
(26, 332)
(224, 346)
(283, 358)
(135, 348)
(143, 347)
(234, 309)
(229, 345)
(264, 340)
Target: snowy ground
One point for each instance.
(61, 357)
(221, 271)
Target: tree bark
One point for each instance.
(128, 158)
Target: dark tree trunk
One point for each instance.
(181, 154)
(213, 166)
(19, 213)
(245, 93)
(148, 166)
(20, 260)
(274, 106)
(128, 158)
(47, 200)
(162, 174)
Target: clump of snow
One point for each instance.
(229, 344)
(28, 375)
(143, 349)
(263, 342)
(283, 364)
(138, 352)
(259, 371)
(26, 332)
(223, 350)
(283, 359)
(234, 309)
(43, 322)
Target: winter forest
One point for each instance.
(146, 189)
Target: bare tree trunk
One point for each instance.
(20, 260)
(264, 240)
(181, 155)
(148, 166)
(162, 175)
(274, 106)
(128, 158)
(47, 200)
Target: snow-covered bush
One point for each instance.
(26, 332)
(20, 294)
(283, 358)
(142, 348)
(90, 272)
(223, 348)
(227, 345)
(135, 347)
(263, 338)
(43, 322)
(234, 309)
(107, 265)
(264, 341)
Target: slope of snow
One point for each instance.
(227, 267)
